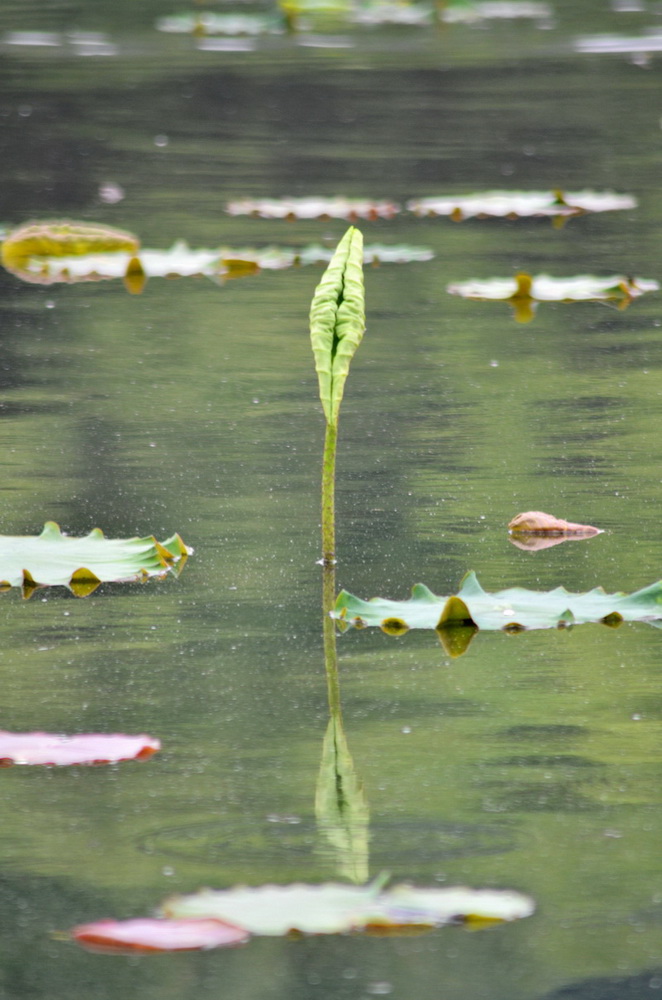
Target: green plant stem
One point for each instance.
(328, 499)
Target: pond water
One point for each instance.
(533, 761)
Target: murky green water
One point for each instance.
(531, 762)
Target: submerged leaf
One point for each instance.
(337, 909)
(337, 320)
(53, 559)
(519, 204)
(525, 291)
(514, 609)
(148, 934)
(350, 209)
(53, 749)
(63, 239)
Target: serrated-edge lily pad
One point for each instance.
(521, 204)
(334, 908)
(350, 209)
(515, 609)
(148, 934)
(56, 749)
(54, 559)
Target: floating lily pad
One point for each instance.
(63, 239)
(53, 749)
(512, 610)
(521, 204)
(393, 12)
(335, 908)
(350, 209)
(467, 12)
(523, 291)
(221, 24)
(148, 934)
(53, 559)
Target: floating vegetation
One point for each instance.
(221, 24)
(148, 934)
(62, 239)
(524, 292)
(349, 209)
(52, 559)
(522, 204)
(535, 530)
(219, 264)
(468, 12)
(55, 749)
(393, 12)
(335, 908)
(512, 610)
(609, 44)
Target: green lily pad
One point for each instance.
(521, 204)
(335, 908)
(52, 559)
(515, 609)
(63, 239)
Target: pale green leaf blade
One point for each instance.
(337, 320)
(505, 609)
(53, 559)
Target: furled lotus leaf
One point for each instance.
(54, 749)
(524, 291)
(62, 239)
(53, 559)
(511, 610)
(350, 209)
(336, 909)
(149, 934)
(520, 204)
(337, 320)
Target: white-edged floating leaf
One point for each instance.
(521, 204)
(334, 908)
(632, 44)
(56, 749)
(469, 12)
(207, 23)
(349, 209)
(393, 12)
(524, 291)
(337, 320)
(53, 559)
(511, 610)
(145, 934)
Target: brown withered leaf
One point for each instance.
(535, 530)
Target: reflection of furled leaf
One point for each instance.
(511, 610)
(53, 559)
(524, 291)
(350, 209)
(516, 204)
(63, 239)
(149, 934)
(340, 806)
(87, 748)
(337, 320)
(336, 909)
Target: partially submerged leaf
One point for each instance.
(54, 749)
(53, 559)
(337, 320)
(350, 209)
(337, 909)
(524, 291)
(514, 609)
(63, 238)
(148, 935)
(519, 204)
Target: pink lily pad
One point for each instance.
(145, 934)
(87, 748)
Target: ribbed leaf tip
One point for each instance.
(337, 320)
